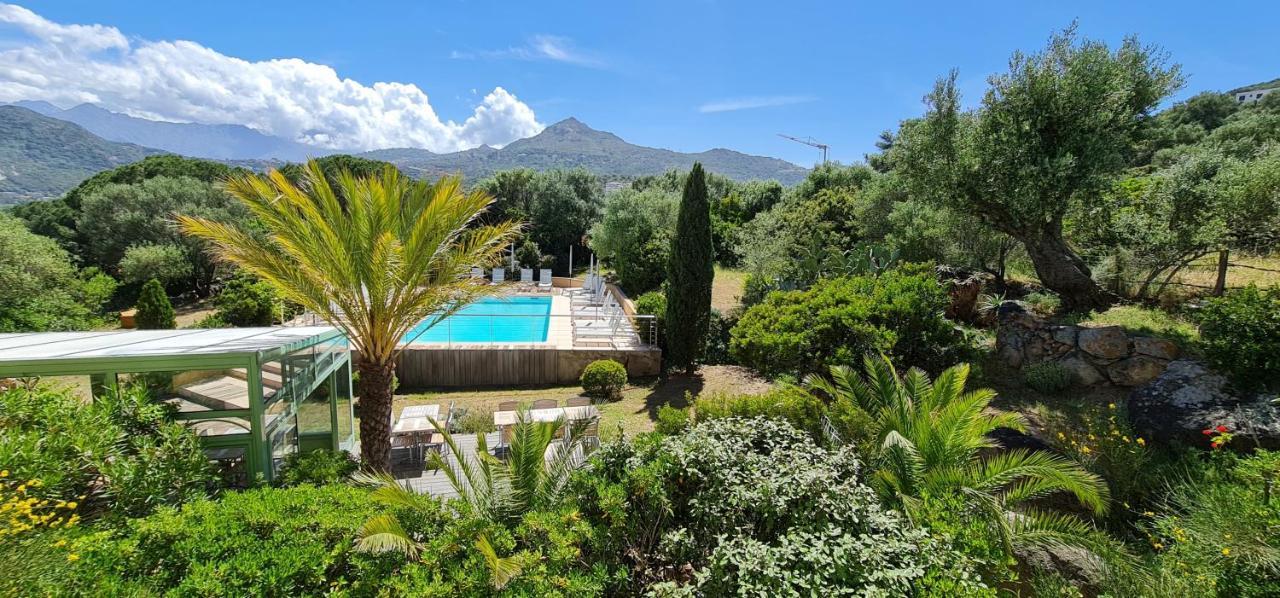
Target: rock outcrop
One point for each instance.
(1187, 397)
(1095, 355)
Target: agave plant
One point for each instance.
(930, 438)
(534, 475)
(371, 256)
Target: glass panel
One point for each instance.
(273, 379)
(195, 390)
(222, 426)
(342, 390)
(231, 465)
(283, 440)
(313, 413)
(81, 387)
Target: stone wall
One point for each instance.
(1096, 355)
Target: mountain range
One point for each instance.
(45, 157)
(572, 144)
(46, 150)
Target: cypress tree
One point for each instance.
(689, 275)
(154, 310)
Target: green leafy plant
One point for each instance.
(1043, 302)
(1048, 377)
(801, 409)
(154, 310)
(899, 313)
(671, 420)
(475, 420)
(246, 301)
(689, 275)
(604, 378)
(929, 437)
(317, 467)
(1240, 334)
(653, 303)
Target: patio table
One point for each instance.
(430, 411)
(503, 419)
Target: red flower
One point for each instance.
(1215, 444)
(1222, 429)
(1207, 431)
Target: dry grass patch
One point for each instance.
(726, 289)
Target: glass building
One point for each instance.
(253, 395)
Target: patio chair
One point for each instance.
(578, 402)
(477, 273)
(499, 275)
(526, 277)
(608, 329)
(508, 406)
(546, 404)
(544, 279)
(406, 441)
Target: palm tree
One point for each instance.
(930, 438)
(372, 256)
(535, 475)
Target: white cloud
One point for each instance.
(289, 97)
(733, 104)
(538, 47)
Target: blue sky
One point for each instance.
(684, 75)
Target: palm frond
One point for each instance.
(383, 533)
(501, 570)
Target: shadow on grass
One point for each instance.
(673, 390)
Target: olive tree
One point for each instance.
(1048, 134)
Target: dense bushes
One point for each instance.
(1240, 334)
(713, 512)
(246, 301)
(604, 379)
(265, 542)
(799, 408)
(117, 456)
(41, 290)
(1048, 377)
(316, 467)
(898, 313)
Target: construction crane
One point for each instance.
(809, 141)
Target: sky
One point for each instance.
(446, 75)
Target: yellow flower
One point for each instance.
(1085, 450)
(60, 543)
(4, 473)
(1226, 552)
(1141, 442)
(1148, 514)
(73, 557)
(72, 505)
(1062, 436)
(1111, 405)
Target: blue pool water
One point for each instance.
(489, 320)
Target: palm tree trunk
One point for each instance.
(376, 379)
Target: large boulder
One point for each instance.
(1107, 342)
(1135, 371)
(1156, 347)
(1188, 397)
(1082, 370)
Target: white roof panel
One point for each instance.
(26, 346)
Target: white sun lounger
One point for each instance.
(499, 275)
(477, 273)
(544, 279)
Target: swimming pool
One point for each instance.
(489, 320)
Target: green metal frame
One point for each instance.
(104, 370)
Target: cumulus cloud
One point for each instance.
(733, 104)
(538, 47)
(288, 97)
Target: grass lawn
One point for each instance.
(1144, 321)
(726, 289)
(634, 413)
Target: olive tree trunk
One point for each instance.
(375, 394)
(1063, 272)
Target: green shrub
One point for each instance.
(1043, 302)
(898, 313)
(739, 506)
(317, 467)
(263, 542)
(246, 301)
(528, 255)
(167, 263)
(1048, 377)
(671, 420)
(154, 310)
(1101, 439)
(604, 378)
(653, 303)
(801, 409)
(475, 420)
(118, 456)
(1240, 334)
(718, 336)
(211, 321)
